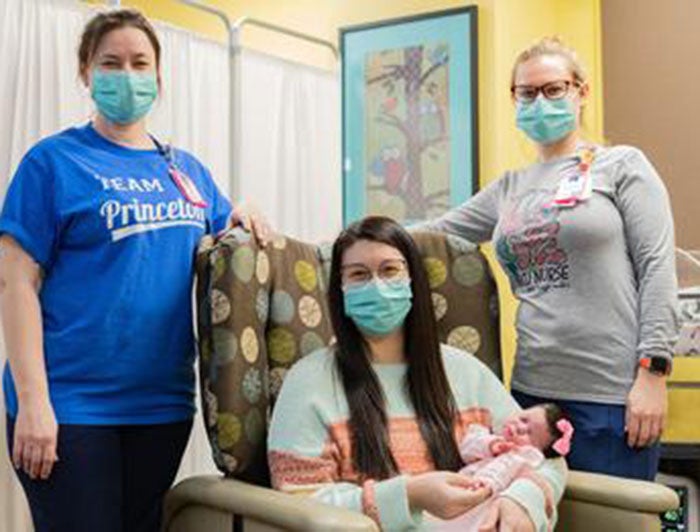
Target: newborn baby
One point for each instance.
(495, 460)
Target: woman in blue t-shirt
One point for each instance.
(98, 235)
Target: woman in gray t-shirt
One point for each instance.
(585, 235)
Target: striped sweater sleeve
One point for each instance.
(303, 460)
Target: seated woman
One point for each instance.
(372, 423)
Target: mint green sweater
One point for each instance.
(309, 441)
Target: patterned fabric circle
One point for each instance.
(277, 376)
(310, 342)
(229, 430)
(205, 350)
(466, 338)
(230, 462)
(280, 346)
(437, 272)
(225, 345)
(252, 385)
(282, 310)
(439, 305)
(468, 270)
(310, 311)
(262, 305)
(305, 275)
(262, 268)
(211, 403)
(279, 242)
(249, 345)
(254, 426)
(220, 307)
(459, 245)
(218, 260)
(243, 263)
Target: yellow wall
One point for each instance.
(505, 27)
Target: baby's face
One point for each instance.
(528, 427)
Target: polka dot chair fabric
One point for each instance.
(260, 310)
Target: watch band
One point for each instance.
(657, 365)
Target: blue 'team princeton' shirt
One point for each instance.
(116, 241)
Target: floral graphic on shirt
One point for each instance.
(528, 246)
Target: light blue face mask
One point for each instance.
(546, 121)
(378, 307)
(123, 97)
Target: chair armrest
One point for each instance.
(279, 509)
(623, 493)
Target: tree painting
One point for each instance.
(407, 131)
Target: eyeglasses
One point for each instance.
(554, 90)
(359, 274)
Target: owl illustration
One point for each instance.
(390, 165)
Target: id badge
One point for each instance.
(575, 187)
(187, 188)
(571, 190)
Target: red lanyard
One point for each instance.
(182, 181)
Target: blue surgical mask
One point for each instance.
(378, 307)
(546, 121)
(123, 97)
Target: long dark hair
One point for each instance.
(426, 381)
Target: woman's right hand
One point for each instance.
(443, 494)
(36, 436)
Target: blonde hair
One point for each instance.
(552, 46)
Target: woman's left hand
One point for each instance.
(506, 515)
(251, 219)
(645, 414)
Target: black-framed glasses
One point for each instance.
(389, 270)
(554, 90)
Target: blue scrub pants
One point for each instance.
(599, 444)
(107, 479)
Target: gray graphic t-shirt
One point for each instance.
(596, 281)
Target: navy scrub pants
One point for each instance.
(599, 444)
(108, 478)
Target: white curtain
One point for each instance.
(39, 94)
(289, 154)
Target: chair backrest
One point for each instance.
(260, 310)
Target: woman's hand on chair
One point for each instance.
(443, 494)
(506, 515)
(253, 220)
(35, 438)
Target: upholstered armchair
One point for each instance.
(260, 310)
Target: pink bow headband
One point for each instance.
(563, 444)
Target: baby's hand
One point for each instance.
(476, 484)
(501, 446)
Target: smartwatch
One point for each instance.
(660, 366)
